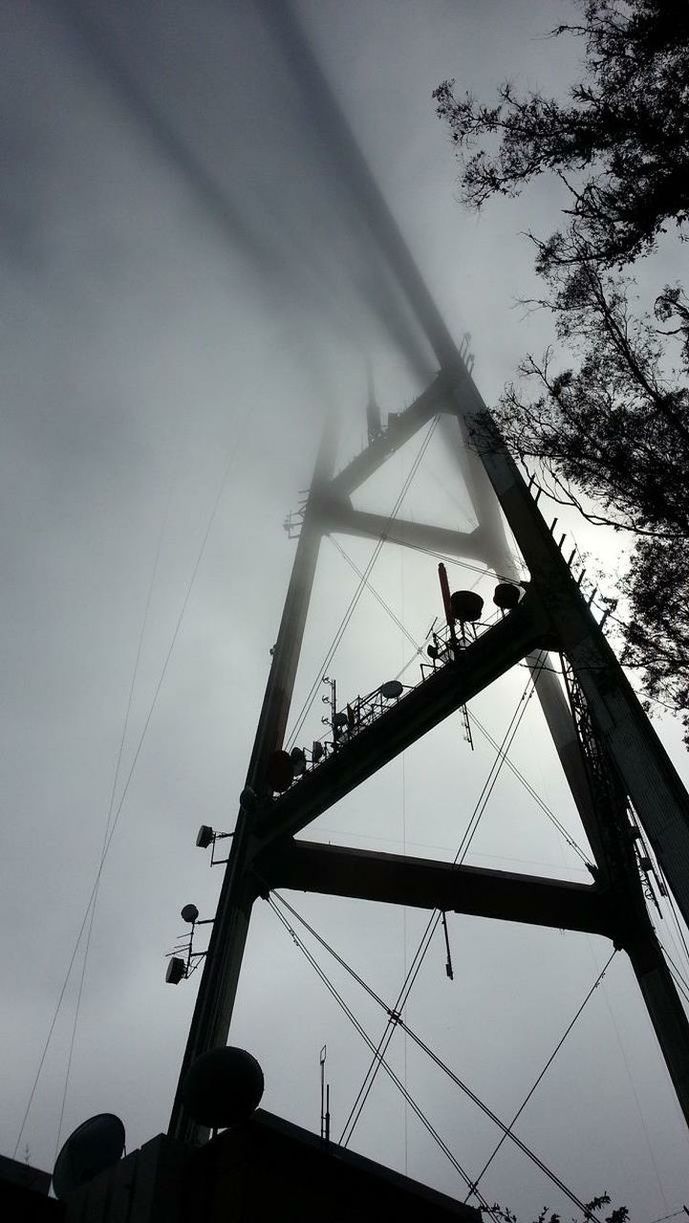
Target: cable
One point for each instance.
(387, 1036)
(111, 804)
(673, 910)
(388, 1069)
(303, 713)
(513, 768)
(115, 820)
(547, 1066)
(632, 1085)
(376, 594)
(407, 665)
(51, 1029)
(533, 793)
(676, 967)
(677, 976)
(364, 577)
(405, 940)
(434, 920)
(462, 564)
(452, 497)
(422, 949)
(507, 1130)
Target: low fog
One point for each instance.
(191, 284)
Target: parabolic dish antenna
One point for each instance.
(391, 690)
(95, 1145)
(222, 1087)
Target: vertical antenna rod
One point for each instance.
(323, 1056)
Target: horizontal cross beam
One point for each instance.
(392, 879)
(339, 515)
(451, 686)
(400, 429)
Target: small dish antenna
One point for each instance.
(391, 690)
(222, 1087)
(95, 1145)
(506, 596)
(466, 605)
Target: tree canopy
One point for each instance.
(605, 411)
(619, 1214)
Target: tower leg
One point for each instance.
(558, 716)
(665, 1011)
(496, 553)
(218, 987)
(644, 767)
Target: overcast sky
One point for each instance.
(187, 286)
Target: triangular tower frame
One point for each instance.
(610, 754)
(609, 751)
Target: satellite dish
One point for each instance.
(466, 605)
(340, 718)
(280, 772)
(189, 913)
(222, 1087)
(95, 1145)
(391, 690)
(506, 596)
